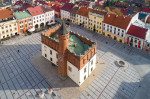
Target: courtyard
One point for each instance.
(21, 79)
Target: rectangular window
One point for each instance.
(84, 70)
(45, 55)
(51, 59)
(50, 52)
(92, 62)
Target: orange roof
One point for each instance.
(83, 11)
(53, 3)
(6, 13)
(117, 20)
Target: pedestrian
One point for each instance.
(18, 51)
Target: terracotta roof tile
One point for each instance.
(37, 10)
(137, 31)
(83, 11)
(118, 21)
(6, 13)
(74, 10)
(57, 7)
(68, 7)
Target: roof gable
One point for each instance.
(117, 21)
(137, 31)
(68, 7)
(37, 10)
(83, 11)
(6, 13)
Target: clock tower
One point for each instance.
(63, 35)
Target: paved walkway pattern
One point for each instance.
(113, 82)
(19, 79)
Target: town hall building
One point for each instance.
(74, 55)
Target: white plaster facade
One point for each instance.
(38, 19)
(49, 54)
(114, 30)
(50, 17)
(8, 29)
(65, 14)
(79, 76)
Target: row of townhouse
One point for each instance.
(13, 23)
(120, 28)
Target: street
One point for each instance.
(20, 79)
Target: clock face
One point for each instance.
(60, 58)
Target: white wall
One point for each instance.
(46, 50)
(122, 32)
(75, 74)
(10, 27)
(38, 19)
(78, 75)
(50, 15)
(65, 14)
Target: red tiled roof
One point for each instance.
(6, 13)
(68, 7)
(124, 11)
(24, 7)
(144, 9)
(37, 10)
(118, 21)
(18, 3)
(57, 7)
(137, 31)
(122, 4)
(83, 11)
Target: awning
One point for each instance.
(32, 29)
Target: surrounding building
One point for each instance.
(115, 26)
(82, 16)
(57, 8)
(74, 55)
(38, 16)
(65, 11)
(136, 36)
(24, 20)
(73, 14)
(49, 15)
(8, 24)
(96, 20)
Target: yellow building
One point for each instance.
(8, 24)
(96, 20)
(115, 26)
